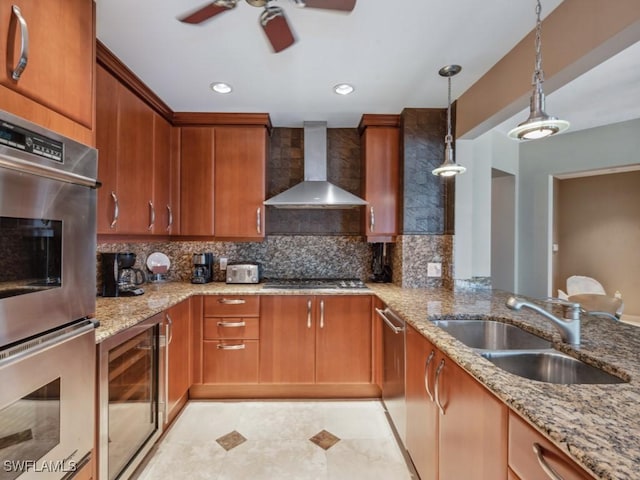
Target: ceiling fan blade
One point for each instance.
(344, 5)
(277, 29)
(207, 12)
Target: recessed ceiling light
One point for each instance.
(343, 89)
(221, 87)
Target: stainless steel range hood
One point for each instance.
(315, 191)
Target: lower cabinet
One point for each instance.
(533, 457)
(316, 339)
(455, 427)
(178, 365)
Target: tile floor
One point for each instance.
(278, 440)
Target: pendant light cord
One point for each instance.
(448, 139)
(538, 74)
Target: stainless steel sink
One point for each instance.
(492, 335)
(549, 366)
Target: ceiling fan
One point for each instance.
(273, 20)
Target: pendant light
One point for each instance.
(539, 124)
(449, 168)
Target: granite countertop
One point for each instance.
(596, 425)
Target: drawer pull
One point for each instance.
(308, 313)
(551, 473)
(222, 346)
(232, 301)
(231, 324)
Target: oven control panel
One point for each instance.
(22, 139)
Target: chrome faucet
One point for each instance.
(569, 326)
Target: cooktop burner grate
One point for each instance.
(314, 283)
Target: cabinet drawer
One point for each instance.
(230, 361)
(231, 327)
(231, 305)
(524, 462)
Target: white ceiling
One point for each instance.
(390, 51)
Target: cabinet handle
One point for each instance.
(152, 216)
(232, 301)
(308, 313)
(426, 373)
(231, 324)
(383, 314)
(437, 387)
(321, 313)
(259, 220)
(24, 44)
(116, 210)
(167, 334)
(372, 220)
(551, 473)
(222, 346)
(170, 213)
(169, 328)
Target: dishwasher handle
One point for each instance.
(395, 328)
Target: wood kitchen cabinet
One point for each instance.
(526, 464)
(380, 146)
(178, 365)
(316, 339)
(55, 89)
(135, 160)
(454, 416)
(223, 181)
(231, 334)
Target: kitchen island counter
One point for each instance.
(598, 426)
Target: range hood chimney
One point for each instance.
(315, 191)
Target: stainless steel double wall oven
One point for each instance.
(47, 300)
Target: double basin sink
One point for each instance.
(523, 353)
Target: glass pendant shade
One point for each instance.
(539, 124)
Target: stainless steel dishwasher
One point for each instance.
(393, 340)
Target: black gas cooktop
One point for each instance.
(314, 283)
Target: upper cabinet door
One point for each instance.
(196, 181)
(240, 165)
(59, 71)
(381, 158)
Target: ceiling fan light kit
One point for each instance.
(539, 124)
(449, 167)
(272, 20)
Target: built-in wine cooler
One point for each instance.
(131, 397)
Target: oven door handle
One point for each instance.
(37, 345)
(21, 166)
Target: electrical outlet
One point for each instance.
(223, 263)
(434, 269)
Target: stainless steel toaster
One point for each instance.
(243, 273)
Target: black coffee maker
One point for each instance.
(202, 268)
(119, 278)
(380, 262)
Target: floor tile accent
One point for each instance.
(277, 442)
(324, 439)
(231, 440)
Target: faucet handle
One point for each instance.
(571, 310)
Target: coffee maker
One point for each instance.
(202, 268)
(119, 278)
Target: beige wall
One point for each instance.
(599, 233)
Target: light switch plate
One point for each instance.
(434, 269)
(223, 263)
